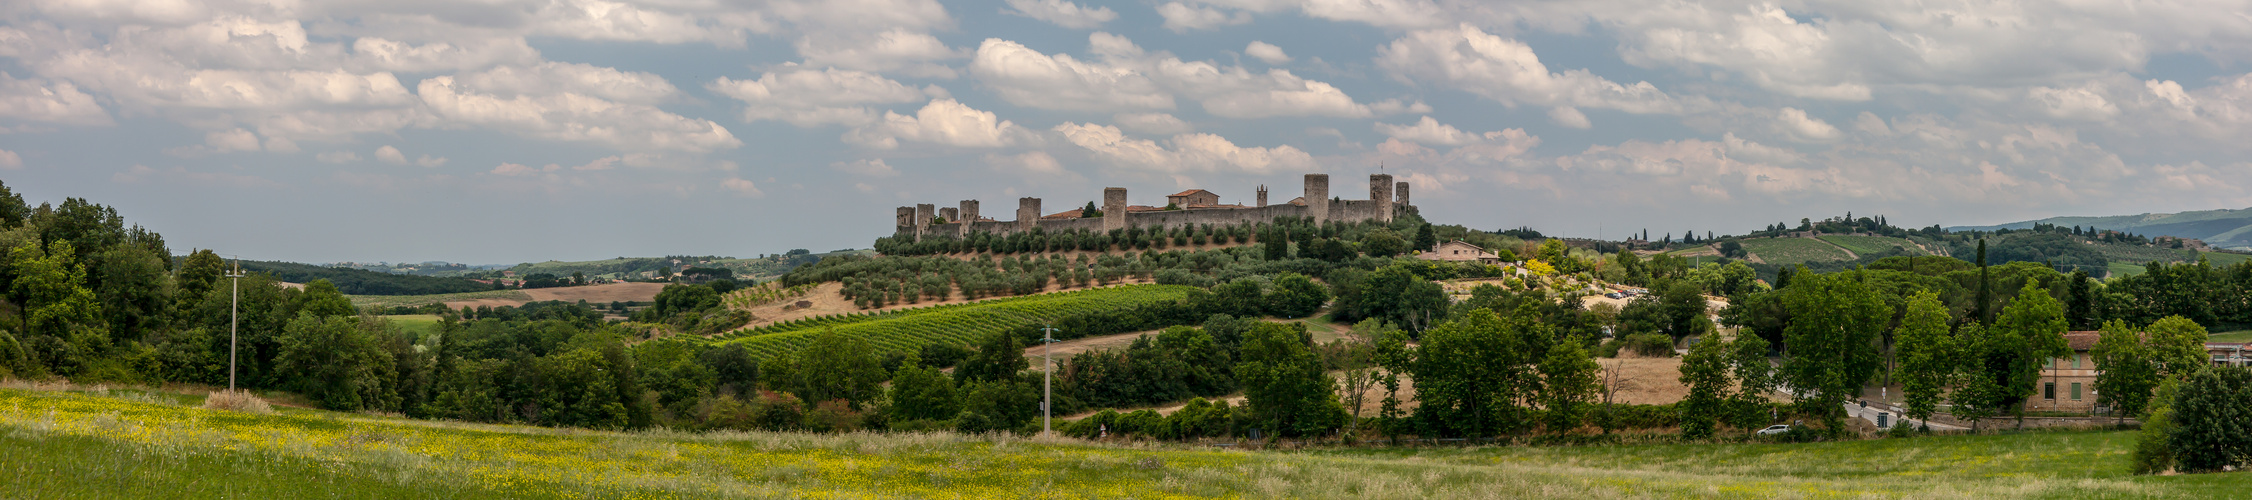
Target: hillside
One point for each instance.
(2230, 229)
(631, 267)
(364, 282)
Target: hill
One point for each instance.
(2230, 229)
(631, 267)
(363, 282)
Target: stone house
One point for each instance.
(1192, 198)
(2230, 353)
(2068, 383)
(1459, 251)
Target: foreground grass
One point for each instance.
(75, 445)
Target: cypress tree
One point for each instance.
(1985, 288)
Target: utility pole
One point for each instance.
(1047, 378)
(234, 322)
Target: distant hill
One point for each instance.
(363, 282)
(2230, 229)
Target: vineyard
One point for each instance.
(911, 329)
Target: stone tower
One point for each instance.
(1317, 197)
(1028, 213)
(923, 214)
(951, 214)
(1262, 196)
(1114, 209)
(969, 215)
(1402, 198)
(906, 217)
(1380, 193)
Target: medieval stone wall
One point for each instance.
(915, 221)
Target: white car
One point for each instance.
(1774, 429)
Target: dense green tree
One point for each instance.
(1569, 382)
(836, 366)
(1383, 243)
(2029, 332)
(62, 320)
(2126, 372)
(1927, 355)
(999, 357)
(1705, 371)
(921, 393)
(2212, 414)
(1425, 238)
(1684, 304)
(2080, 301)
(13, 211)
(1296, 296)
(1979, 392)
(1831, 341)
(1285, 385)
(2177, 346)
(1474, 375)
(336, 362)
(135, 294)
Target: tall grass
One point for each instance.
(84, 445)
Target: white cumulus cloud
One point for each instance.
(1062, 13)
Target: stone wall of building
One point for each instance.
(916, 220)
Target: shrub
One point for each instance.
(2151, 454)
(1649, 345)
(242, 401)
(2209, 413)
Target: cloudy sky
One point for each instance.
(493, 131)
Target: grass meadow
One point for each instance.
(132, 444)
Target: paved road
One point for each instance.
(1870, 414)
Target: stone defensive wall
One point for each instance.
(1385, 197)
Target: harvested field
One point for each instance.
(828, 298)
(599, 294)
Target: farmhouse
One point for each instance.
(1459, 251)
(1192, 198)
(2068, 383)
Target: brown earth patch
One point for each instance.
(828, 298)
(593, 294)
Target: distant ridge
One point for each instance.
(2230, 229)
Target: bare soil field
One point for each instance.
(592, 294)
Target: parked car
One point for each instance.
(1774, 429)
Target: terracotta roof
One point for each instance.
(1143, 208)
(1214, 206)
(1190, 192)
(2082, 340)
(1299, 201)
(1067, 214)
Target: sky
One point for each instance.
(501, 131)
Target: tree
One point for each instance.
(1705, 371)
(2080, 301)
(13, 211)
(1684, 304)
(333, 361)
(1985, 305)
(1425, 239)
(2211, 413)
(1274, 242)
(999, 357)
(62, 320)
(838, 366)
(1831, 341)
(1472, 374)
(1284, 383)
(2030, 331)
(1927, 354)
(922, 393)
(1569, 381)
(2125, 371)
(1296, 296)
(2177, 346)
(1383, 243)
(135, 295)
(1732, 249)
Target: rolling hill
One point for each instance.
(2230, 229)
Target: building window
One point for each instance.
(2049, 390)
(2075, 391)
(2075, 364)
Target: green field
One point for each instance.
(421, 325)
(1873, 244)
(2235, 336)
(1792, 250)
(421, 300)
(910, 330)
(2137, 254)
(79, 445)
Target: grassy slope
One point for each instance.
(421, 325)
(2235, 336)
(910, 329)
(67, 445)
(1872, 244)
(1792, 250)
